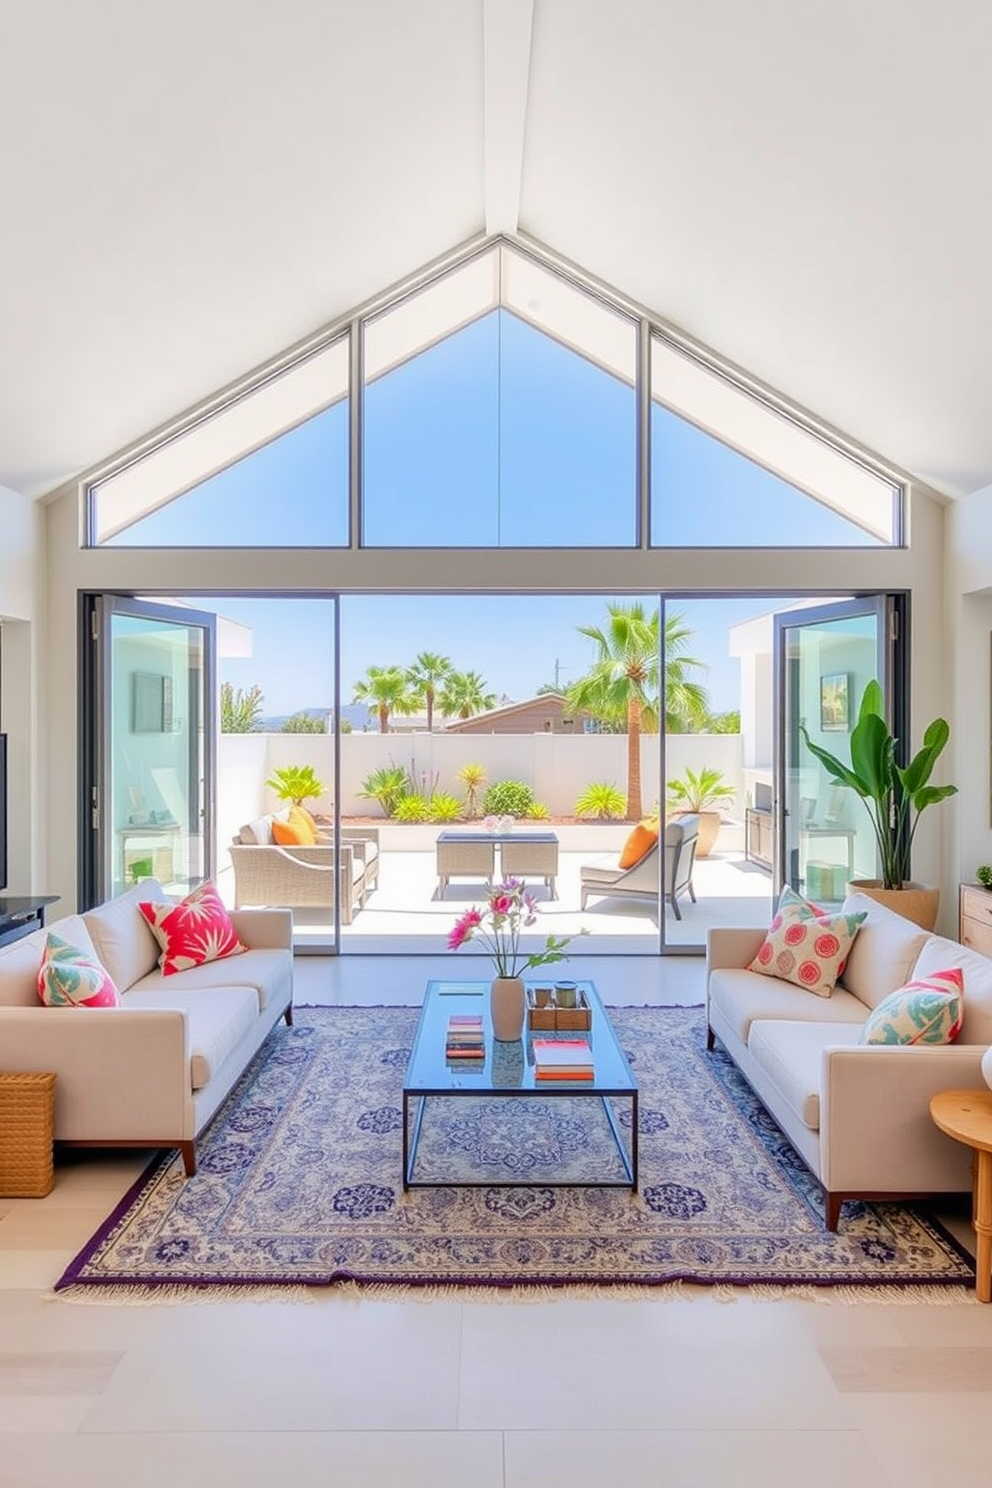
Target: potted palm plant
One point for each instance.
(700, 795)
(895, 797)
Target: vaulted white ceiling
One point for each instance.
(188, 188)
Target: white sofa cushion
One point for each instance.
(884, 952)
(937, 955)
(791, 1055)
(742, 996)
(20, 961)
(120, 934)
(269, 972)
(217, 1017)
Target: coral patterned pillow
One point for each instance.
(805, 945)
(929, 1011)
(68, 977)
(193, 932)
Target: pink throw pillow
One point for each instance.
(69, 977)
(805, 946)
(197, 930)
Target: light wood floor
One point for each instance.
(690, 1392)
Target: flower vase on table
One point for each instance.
(509, 910)
(506, 1006)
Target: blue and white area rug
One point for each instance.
(299, 1183)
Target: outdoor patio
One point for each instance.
(405, 914)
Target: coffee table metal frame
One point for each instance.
(429, 1074)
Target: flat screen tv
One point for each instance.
(3, 811)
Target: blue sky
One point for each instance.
(495, 436)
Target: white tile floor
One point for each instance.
(691, 1392)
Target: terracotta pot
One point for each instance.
(913, 901)
(709, 826)
(506, 1006)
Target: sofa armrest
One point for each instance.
(264, 929)
(122, 1073)
(732, 947)
(876, 1133)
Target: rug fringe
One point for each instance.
(138, 1295)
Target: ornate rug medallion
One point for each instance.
(299, 1181)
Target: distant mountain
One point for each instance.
(356, 713)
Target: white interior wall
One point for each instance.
(22, 547)
(968, 628)
(690, 571)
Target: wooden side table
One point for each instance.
(966, 1115)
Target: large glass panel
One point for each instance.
(827, 660)
(269, 470)
(156, 751)
(727, 470)
(500, 412)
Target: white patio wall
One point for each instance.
(558, 767)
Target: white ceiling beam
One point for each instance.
(507, 48)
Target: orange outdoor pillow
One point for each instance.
(289, 834)
(640, 842)
(301, 819)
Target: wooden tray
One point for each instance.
(558, 1019)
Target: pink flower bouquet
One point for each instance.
(509, 910)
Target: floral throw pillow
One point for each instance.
(928, 1011)
(806, 945)
(69, 977)
(197, 930)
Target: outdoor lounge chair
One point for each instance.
(605, 878)
(303, 877)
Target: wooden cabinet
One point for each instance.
(975, 918)
(758, 837)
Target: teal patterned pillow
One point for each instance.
(69, 977)
(929, 1011)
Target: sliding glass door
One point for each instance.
(150, 759)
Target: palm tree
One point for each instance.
(623, 684)
(427, 671)
(385, 690)
(464, 694)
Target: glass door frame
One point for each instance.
(891, 611)
(96, 612)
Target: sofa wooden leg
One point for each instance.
(288, 1015)
(832, 1204)
(188, 1150)
(710, 1039)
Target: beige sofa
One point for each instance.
(857, 1114)
(303, 877)
(152, 1072)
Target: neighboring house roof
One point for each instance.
(528, 713)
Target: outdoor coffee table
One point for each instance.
(430, 1075)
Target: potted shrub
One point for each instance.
(296, 783)
(895, 797)
(700, 795)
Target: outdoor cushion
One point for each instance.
(925, 1011)
(791, 1055)
(217, 1019)
(741, 997)
(640, 842)
(292, 833)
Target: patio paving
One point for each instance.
(404, 914)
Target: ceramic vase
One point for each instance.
(987, 1067)
(506, 1004)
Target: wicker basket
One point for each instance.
(27, 1126)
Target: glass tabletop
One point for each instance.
(507, 1068)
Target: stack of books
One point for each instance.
(465, 1038)
(562, 1059)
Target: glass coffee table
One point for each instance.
(430, 1075)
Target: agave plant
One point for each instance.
(386, 785)
(296, 783)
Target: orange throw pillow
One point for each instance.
(301, 818)
(289, 834)
(640, 842)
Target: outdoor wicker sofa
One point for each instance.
(303, 877)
